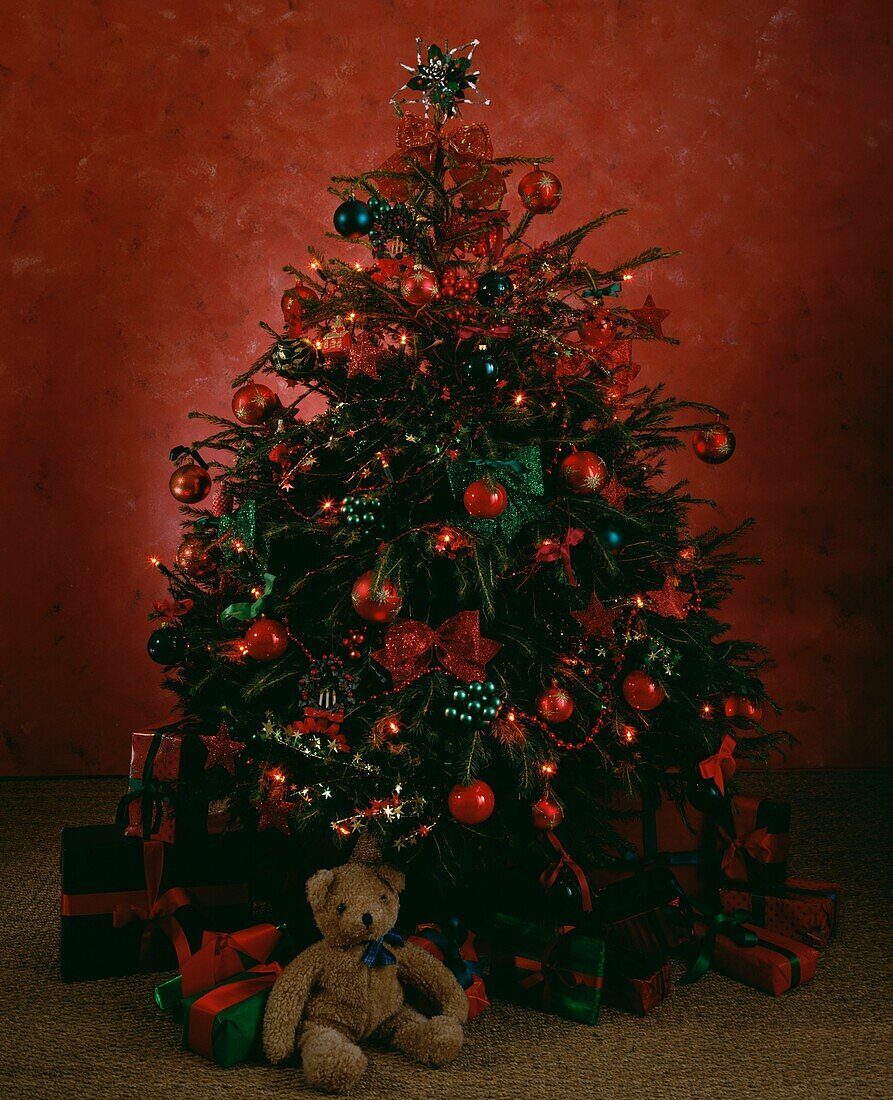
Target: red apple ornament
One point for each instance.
(472, 804)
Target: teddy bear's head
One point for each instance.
(357, 902)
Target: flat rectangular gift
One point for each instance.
(558, 972)
(753, 837)
(128, 905)
(454, 945)
(804, 910)
(771, 962)
(636, 982)
(646, 912)
(162, 763)
(225, 1024)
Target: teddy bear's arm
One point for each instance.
(415, 967)
(285, 1006)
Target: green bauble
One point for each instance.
(474, 706)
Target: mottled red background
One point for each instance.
(161, 162)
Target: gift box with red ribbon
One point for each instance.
(129, 906)
(801, 909)
(647, 913)
(225, 1024)
(162, 764)
(561, 972)
(636, 982)
(753, 837)
(454, 945)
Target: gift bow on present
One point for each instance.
(550, 876)
(204, 1011)
(220, 956)
(449, 939)
(731, 925)
(547, 971)
(552, 550)
(411, 646)
(757, 844)
(722, 765)
(156, 909)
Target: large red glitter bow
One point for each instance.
(552, 550)
(722, 765)
(410, 648)
(466, 148)
(757, 844)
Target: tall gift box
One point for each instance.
(161, 799)
(753, 837)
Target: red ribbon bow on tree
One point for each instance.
(498, 332)
(410, 648)
(552, 550)
(757, 844)
(172, 610)
(722, 765)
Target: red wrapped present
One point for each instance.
(635, 982)
(647, 913)
(161, 762)
(752, 955)
(753, 837)
(804, 910)
(225, 1024)
(454, 945)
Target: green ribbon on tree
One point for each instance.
(730, 925)
(242, 611)
(512, 465)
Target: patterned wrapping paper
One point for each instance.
(646, 913)
(773, 964)
(161, 765)
(635, 982)
(454, 946)
(557, 972)
(225, 1024)
(753, 838)
(802, 909)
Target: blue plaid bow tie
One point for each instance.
(376, 954)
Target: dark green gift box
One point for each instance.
(559, 972)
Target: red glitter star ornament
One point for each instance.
(597, 620)
(222, 749)
(670, 601)
(274, 814)
(363, 358)
(650, 316)
(615, 494)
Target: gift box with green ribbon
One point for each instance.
(225, 1024)
(520, 472)
(561, 972)
(804, 910)
(158, 800)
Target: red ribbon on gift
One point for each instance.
(220, 956)
(757, 844)
(547, 971)
(410, 648)
(552, 550)
(550, 876)
(204, 1011)
(722, 765)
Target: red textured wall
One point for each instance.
(162, 161)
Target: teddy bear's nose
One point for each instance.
(367, 919)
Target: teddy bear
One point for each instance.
(350, 985)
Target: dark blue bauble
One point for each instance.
(167, 645)
(704, 794)
(353, 219)
(611, 536)
(494, 288)
(480, 370)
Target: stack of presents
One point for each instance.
(678, 893)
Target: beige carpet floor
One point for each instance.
(716, 1039)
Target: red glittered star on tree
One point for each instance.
(597, 620)
(363, 358)
(615, 494)
(651, 316)
(670, 601)
(222, 749)
(274, 814)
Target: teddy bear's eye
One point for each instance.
(384, 897)
(341, 908)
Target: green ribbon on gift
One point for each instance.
(730, 925)
(520, 471)
(243, 611)
(240, 527)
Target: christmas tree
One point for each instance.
(463, 603)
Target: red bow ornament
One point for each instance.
(757, 844)
(171, 611)
(722, 765)
(410, 648)
(552, 550)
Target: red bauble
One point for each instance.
(641, 691)
(472, 804)
(599, 332)
(555, 705)
(584, 472)
(540, 191)
(546, 815)
(195, 557)
(741, 706)
(485, 499)
(419, 287)
(266, 640)
(292, 308)
(375, 603)
(190, 484)
(714, 444)
(254, 403)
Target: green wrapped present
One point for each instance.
(520, 472)
(559, 972)
(225, 1024)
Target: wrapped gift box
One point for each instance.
(225, 1024)
(804, 910)
(636, 982)
(162, 767)
(647, 913)
(130, 906)
(561, 972)
(753, 837)
(454, 945)
(759, 958)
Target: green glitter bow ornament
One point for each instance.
(238, 533)
(442, 77)
(520, 471)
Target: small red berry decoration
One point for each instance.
(714, 444)
(254, 403)
(376, 603)
(546, 815)
(599, 332)
(472, 804)
(641, 691)
(540, 191)
(584, 472)
(555, 705)
(419, 287)
(485, 499)
(741, 706)
(266, 640)
(190, 484)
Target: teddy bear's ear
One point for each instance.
(318, 887)
(394, 878)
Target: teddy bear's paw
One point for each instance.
(433, 1042)
(331, 1061)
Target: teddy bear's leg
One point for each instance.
(331, 1061)
(434, 1041)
